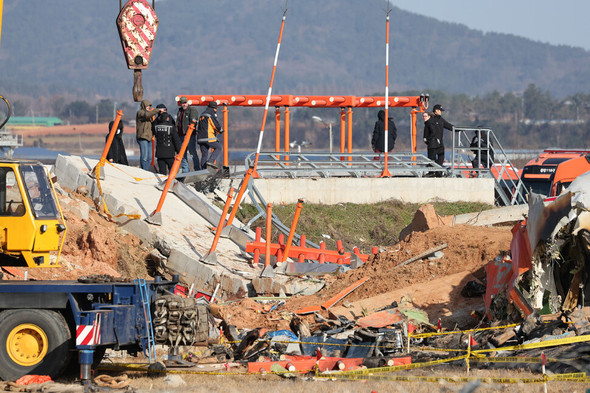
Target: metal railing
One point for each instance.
(281, 164)
(483, 156)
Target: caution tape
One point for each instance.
(573, 377)
(512, 359)
(424, 335)
(541, 344)
(106, 209)
(410, 366)
(136, 178)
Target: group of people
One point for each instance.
(434, 126)
(169, 135)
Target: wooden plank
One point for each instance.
(423, 255)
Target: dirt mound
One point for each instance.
(469, 248)
(95, 246)
(424, 219)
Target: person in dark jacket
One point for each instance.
(209, 128)
(187, 114)
(167, 141)
(116, 153)
(481, 145)
(143, 128)
(433, 135)
(378, 140)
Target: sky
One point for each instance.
(548, 21)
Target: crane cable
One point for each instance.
(8, 106)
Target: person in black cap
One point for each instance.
(116, 153)
(187, 114)
(433, 135)
(209, 128)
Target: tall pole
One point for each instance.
(385, 172)
(272, 78)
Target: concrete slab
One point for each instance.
(330, 191)
(185, 233)
(507, 214)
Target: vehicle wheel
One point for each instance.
(33, 342)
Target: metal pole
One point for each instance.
(239, 197)
(268, 235)
(230, 196)
(385, 172)
(292, 230)
(277, 130)
(342, 131)
(287, 125)
(349, 116)
(331, 138)
(174, 169)
(269, 92)
(225, 137)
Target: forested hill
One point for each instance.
(228, 46)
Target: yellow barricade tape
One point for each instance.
(378, 370)
(106, 209)
(574, 377)
(541, 344)
(424, 335)
(136, 178)
(513, 359)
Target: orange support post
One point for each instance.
(230, 196)
(292, 231)
(225, 137)
(349, 116)
(287, 141)
(414, 130)
(256, 259)
(342, 131)
(107, 146)
(155, 217)
(243, 187)
(277, 130)
(268, 235)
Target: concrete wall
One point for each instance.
(330, 191)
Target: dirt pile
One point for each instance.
(94, 246)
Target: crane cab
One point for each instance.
(31, 222)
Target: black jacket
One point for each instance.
(433, 131)
(209, 126)
(184, 118)
(167, 140)
(378, 140)
(482, 146)
(117, 150)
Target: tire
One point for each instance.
(33, 341)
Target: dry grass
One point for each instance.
(257, 384)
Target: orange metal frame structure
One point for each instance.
(345, 103)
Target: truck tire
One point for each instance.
(33, 341)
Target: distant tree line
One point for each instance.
(531, 119)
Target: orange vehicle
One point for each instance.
(554, 170)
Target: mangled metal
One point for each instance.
(548, 268)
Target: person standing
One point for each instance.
(116, 153)
(167, 140)
(481, 145)
(209, 128)
(187, 114)
(378, 139)
(433, 135)
(143, 127)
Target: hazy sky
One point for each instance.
(554, 22)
